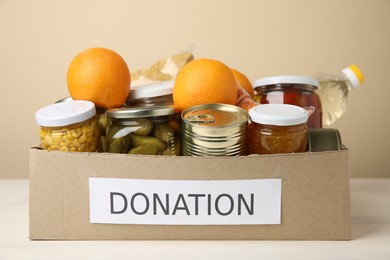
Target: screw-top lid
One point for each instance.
(354, 75)
(136, 112)
(286, 80)
(65, 113)
(151, 90)
(278, 114)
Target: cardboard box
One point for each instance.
(315, 196)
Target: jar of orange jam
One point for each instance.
(277, 128)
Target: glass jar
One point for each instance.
(154, 94)
(102, 122)
(69, 126)
(293, 90)
(143, 130)
(277, 128)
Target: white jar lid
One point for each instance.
(65, 113)
(152, 90)
(286, 80)
(278, 114)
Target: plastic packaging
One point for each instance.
(334, 91)
(244, 99)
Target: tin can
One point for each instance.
(324, 139)
(214, 130)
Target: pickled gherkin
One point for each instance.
(145, 130)
(139, 140)
(144, 127)
(145, 149)
(163, 132)
(119, 145)
(112, 131)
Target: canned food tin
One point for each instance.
(215, 130)
(324, 139)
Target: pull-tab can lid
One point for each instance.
(215, 115)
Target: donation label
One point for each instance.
(185, 202)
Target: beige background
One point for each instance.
(260, 38)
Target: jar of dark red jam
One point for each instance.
(277, 128)
(293, 90)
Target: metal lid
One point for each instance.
(64, 100)
(65, 113)
(216, 115)
(136, 112)
(276, 80)
(278, 114)
(324, 139)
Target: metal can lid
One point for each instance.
(276, 80)
(65, 113)
(324, 139)
(136, 112)
(278, 114)
(215, 115)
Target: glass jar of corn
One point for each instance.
(69, 126)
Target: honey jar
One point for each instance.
(277, 128)
(293, 90)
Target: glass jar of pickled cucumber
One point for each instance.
(153, 94)
(143, 130)
(69, 126)
(277, 128)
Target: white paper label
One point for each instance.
(182, 202)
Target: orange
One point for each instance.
(99, 75)
(244, 82)
(204, 81)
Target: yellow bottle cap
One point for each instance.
(359, 74)
(354, 75)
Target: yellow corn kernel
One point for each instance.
(83, 138)
(48, 139)
(76, 143)
(75, 132)
(81, 148)
(64, 148)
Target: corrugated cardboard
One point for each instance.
(315, 194)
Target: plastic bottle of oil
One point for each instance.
(333, 92)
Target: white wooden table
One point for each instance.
(370, 227)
